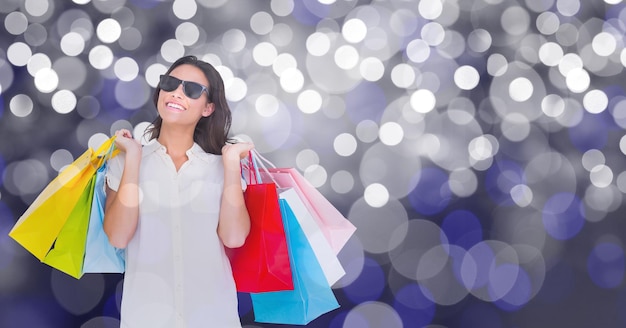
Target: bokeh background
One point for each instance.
(478, 146)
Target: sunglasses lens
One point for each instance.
(168, 83)
(192, 90)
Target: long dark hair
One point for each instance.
(211, 132)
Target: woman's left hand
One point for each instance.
(236, 152)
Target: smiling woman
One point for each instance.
(177, 272)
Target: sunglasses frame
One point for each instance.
(164, 78)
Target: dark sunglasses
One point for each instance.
(192, 90)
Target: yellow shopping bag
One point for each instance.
(37, 229)
(68, 251)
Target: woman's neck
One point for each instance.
(176, 141)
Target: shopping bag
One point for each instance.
(337, 228)
(332, 268)
(100, 255)
(37, 229)
(262, 263)
(312, 295)
(68, 250)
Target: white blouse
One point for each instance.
(177, 274)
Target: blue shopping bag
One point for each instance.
(311, 297)
(100, 255)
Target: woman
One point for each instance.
(176, 202)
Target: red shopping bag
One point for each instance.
(262, 263)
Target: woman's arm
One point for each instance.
(234, 221)
(121, 212)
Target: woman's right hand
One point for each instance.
(125, 142)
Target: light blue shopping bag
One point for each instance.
(311, 297)
(100, 255)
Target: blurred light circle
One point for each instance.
(563, 216)
(433, 33)
(72, 44)
(101, 57)
(133, 94)
(126, 69)
(72, 71)
(497, 65)
(367, 131)
(463, 182)
(172, 49)
(261, 23)
(604, 44)
(281, 7)
(187, 33)
(139, 132)
(21, 105)
(132, 39)
(623, 57)
(522, 195)
(63, 101)
(481, 148)
(373, 315)
(595, 101)
(16, 23)
(601, 200)
(346, 57)
(466, 77)
(568, 8)
(292, 80)
(372, 69)
(418, 51)
(423, 101)
(184, 9)
(306, 158)
(283, 62)
(569, 62)
(27, 177)
(479, 40)
(592, 158)
(379, 235)
(606, 265)
(403, 75)
(345, 144)
(601, 176)
(391, 133)
(547, 22)
(376, 195)
(578, 80)
(46, 80)
(515, 127)
(354, 30)
(520, 89)
(236, 90)
(318, 44)
(430, 9)
(553, 105)
(36, 35)
(36, 7)
(37, 62)
(65, 288)
(550, 53)
(309, 101)
(316, 175)
(264, 54)
(439, 272)
(281, 35)
(19, 53)
(342, 182)
(369, 285)
(412, 257)
(60, 158)
(266, 105)
(515, 20)
(108, 30)
(233, 40)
